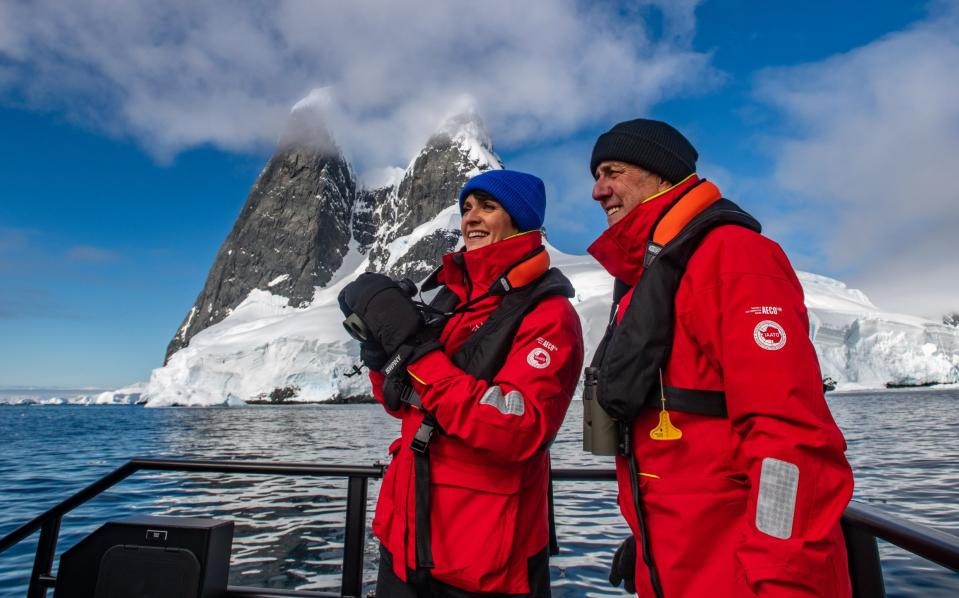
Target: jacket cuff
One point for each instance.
(429, 368)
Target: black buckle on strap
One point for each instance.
(421, 440)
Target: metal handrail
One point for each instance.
(49, 522)
(143, 464)
(862, 524)
(931, 544)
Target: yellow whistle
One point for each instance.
(665, 430)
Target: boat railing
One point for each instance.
(862, 525)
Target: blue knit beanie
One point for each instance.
(522, 195)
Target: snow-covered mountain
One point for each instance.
(266, 344)
(409, 240)
(229, 351)
(267, 321)
(291, 235)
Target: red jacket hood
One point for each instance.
(484, 265)
(622, 247)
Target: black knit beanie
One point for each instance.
(651, 144)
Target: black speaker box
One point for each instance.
(149, 557)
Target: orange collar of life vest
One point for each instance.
(521, 273)
(677, 216)
(683, 211)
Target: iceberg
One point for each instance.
(860, 346)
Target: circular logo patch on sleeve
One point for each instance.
(769, 335)
(538, 358)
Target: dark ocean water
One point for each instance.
(903, 446)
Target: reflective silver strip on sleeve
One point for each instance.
(511, 404)
(776, 505)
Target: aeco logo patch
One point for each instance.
(765, 310)
(538, 358)
(769, 335)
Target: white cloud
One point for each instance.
(175, 75)
(871, 152)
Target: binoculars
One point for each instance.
(357, 328)
(600, 432)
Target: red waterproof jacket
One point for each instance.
(489, 470)
(740, 327)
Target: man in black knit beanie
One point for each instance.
(732, 474)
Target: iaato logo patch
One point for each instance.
(769, 335)
(538, 358)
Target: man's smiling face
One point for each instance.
(620, 187)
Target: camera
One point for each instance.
(357, 328)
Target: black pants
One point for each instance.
(422, 585)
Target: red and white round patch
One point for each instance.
(538, 358)
(769, 335)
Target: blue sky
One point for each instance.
(132, 133)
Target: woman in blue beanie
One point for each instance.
(463, 508)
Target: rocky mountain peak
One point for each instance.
(304, 210)
(467, 127)
(459, 149)
(306, 127)
(292, 232)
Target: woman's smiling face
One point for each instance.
(484, 221)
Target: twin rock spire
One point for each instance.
(306, 213)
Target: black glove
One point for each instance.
(395, 388)
(624, 565)
(373, 356)
(385, 309)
